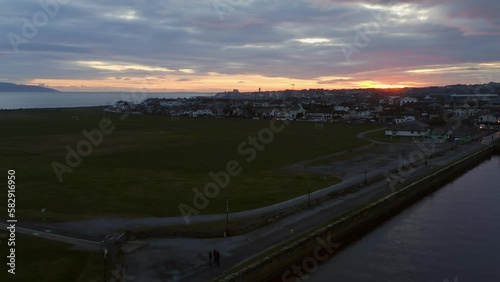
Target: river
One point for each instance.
(451, 235)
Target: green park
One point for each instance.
(84, 163)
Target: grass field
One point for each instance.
(48, 261)
(149, 164)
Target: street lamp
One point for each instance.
(105, 258)
(227, 218)
(309, 193)
(350, 145)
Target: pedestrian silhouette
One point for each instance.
(216, 257)
(210, 258)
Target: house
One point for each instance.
(408, 129)
(341, 108)
(393, 100)
(448, 133)
(407, 100)
(296, 111)
(341, 115)
(204, 112)
(318, 115)
(170, 103)
(238, 112)
(404, 118)
(361, 114)
(490, 118)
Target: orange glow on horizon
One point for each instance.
(163, 79)
(211, 83)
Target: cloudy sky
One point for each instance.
(216, 45)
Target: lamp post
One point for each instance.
(350, 145)
(309, 194)
(105, 258)
(227, 217)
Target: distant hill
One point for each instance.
(11, 87)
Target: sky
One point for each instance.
(219, 45)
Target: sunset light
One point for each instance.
(204, 46)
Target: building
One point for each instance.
(404, 118)
(408, 129)
(472, 97)
(407, 100)
(490, 118)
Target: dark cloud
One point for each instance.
(246, 37)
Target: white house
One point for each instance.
(409, 129)
(393, 100)
(170, 103)
(407, 100)
(319, 116)
(361, 114)
(294, 111)
(404, 118)
(205, 112)
(465, 111)
(341, 108)
(490, 118)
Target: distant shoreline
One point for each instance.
(50, 109)
(44, 100)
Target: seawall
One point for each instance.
(356, 224)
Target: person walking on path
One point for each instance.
(216, 257)
(210, 258)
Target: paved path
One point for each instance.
(362, 135)
(78, 243)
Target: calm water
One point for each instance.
(28, 100)
(453, 233)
